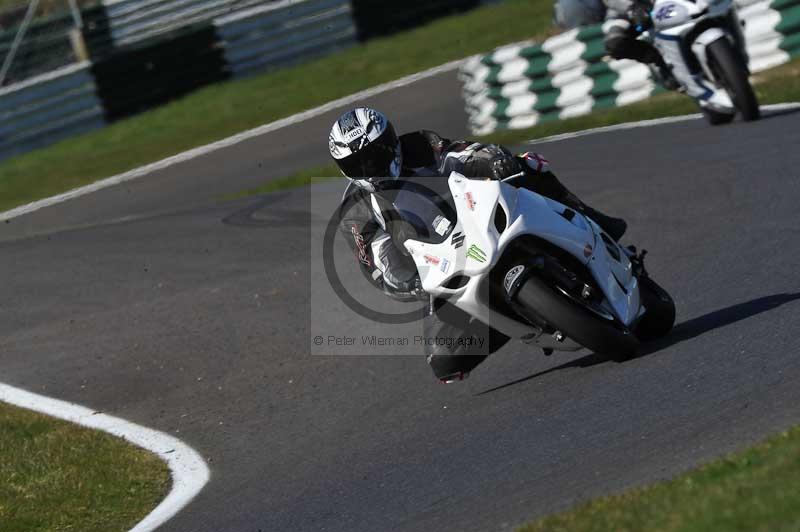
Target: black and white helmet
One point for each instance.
(364, 144)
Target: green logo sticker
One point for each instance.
(476, 253)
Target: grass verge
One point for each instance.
(751, 490)
(781, 84)
(224, 109)
(58, 476)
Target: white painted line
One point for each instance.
(227, 142)
(772, 108)
(189, 471)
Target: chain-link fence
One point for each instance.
(38, 36)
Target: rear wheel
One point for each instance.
(728, 65)
(585, 326)
(659, 316)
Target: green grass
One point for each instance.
(223, 109)
(753, 490)
(57, 476)
(781, 84)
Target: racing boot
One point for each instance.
(548, 185)
(455, 343)
(614, 227)
(662, 74)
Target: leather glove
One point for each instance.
(492, 161)
(482, 161)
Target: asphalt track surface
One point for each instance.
(432, 103)
(157, 304)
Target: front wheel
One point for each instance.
(728, 66)
(577, 322)
(659, 316)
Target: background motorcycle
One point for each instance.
(703, 43)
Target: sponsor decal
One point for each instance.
(666, 12)
(441, 225)
(512, 276)
(445, 266)
(476, 253)
(430, 259)
(458, 240)
(361, 246)
(470, 201)
(354, 134)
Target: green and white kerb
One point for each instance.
(523, 84)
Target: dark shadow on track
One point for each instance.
(266, 212)
(682, 332)
(719, 318)
(584, 362)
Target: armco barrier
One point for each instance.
(132, 21)
(48, 108)
(377, 18)
(137, 77)
(284, 32)
(124, 80)
(520, 85)
(137, 20)
(45, 47)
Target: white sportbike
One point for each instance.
(703, 44)
(529, 267)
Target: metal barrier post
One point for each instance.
(18, 39)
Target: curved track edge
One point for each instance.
(188, 469)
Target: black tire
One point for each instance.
(728, 64)
(577, 322)
(659, 317)
(716, 118)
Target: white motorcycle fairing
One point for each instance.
(474, 245)
(673, 24)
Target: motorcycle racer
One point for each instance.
(365, 146)
(622, 19)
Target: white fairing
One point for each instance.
(672, 22)
(482, 246)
